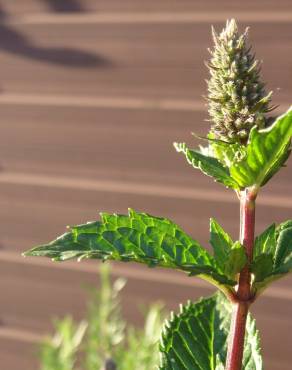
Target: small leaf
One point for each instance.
(262, 267)
(230, 256)
(267, 151)
(286, 266)
(228, 153)
(266, 242)
(220, 241)
(197, 338)
(137, 237)
(284, 242)
(208, 165)
(276, 259)
(236, 260)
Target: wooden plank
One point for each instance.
(111, 148)
(28, 6)
(17, 353)
(158, 17)
(111, 72)
(187, 48)
(105, 144)
(52, 208)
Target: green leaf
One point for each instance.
(136, 237)
(284, 243)
(230, 256)
(208, 165)
(262, 267)
(227, 153)
(196, 338)
(236, 260)
(286, 266)
(220, 241)
(273, 255)
(266, 242)
(267, 151)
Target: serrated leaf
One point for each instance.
(269, 269)
(284, 243)
(267, 151)
(266, 242)
(136, 237)
(220, 241)
(197, 338)
(262, 267)
(286, 266)
(227, 153)
(235, 261)
(230, 256)
(208, 165)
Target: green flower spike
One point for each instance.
(236, 96)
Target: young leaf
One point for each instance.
(262, 267)
(136, 237)
(208, 165)
(273, 259)
(286, 266)
(284, 243)
(236, 260)
(227, 153)
(220, 241)
(267, 151)
(230, 256)
(266, 242)
(197, 338)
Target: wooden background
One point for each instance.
(92, 95)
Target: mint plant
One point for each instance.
(244, 150)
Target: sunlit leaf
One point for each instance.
(267, 151)
(136, 237)
(196, 338)
(208, 165)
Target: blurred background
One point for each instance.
(92, 95)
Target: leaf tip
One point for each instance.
(178, 146)
(103, 216)
(131, 212)
(29, 253)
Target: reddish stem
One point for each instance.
(240, 308)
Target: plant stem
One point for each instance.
(240, 308)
